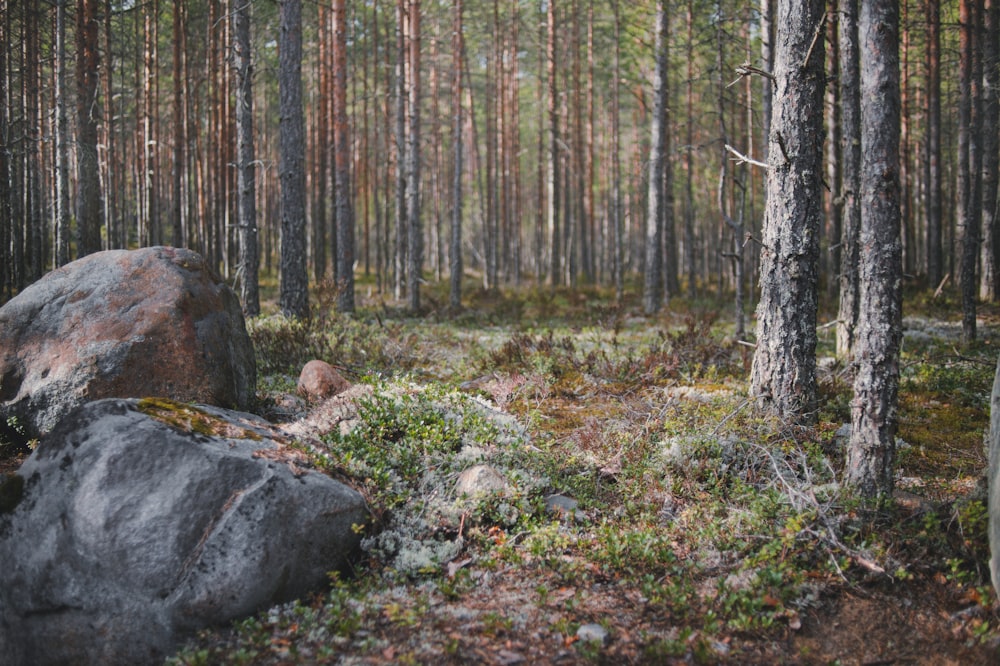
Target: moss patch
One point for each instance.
(190, 419)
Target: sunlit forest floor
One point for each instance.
(685, 528)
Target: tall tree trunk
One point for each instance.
(180, 135)
(989, 288)
(341, 164)
(294, 290)
(871, 451)
(969, 160)
(617, 223)
(415, 257)
(932, 157)
(455, 247)
(62, 140)
(88, 199)
(767, 62)
(245, 161)
(850, 184)
(6, 209)
(783, 377)
(402, 227)
(552, 184)
(653, 271)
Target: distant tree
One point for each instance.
(783, 377)
(294, 290)
(871, 451)
(246, 161)
(63, 216)
(932, 145)
(88, 188)
(990, 255)
(415, 257)
(969, 162)
(552, 184)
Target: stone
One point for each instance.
(480, 480)
(993, 481)
(128, 324)
(139, 522)
(319, 381)
(592, 633)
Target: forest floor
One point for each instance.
(698, 531)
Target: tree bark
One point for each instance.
(871, 451)
(932, 157)
(455, 247)
(246, 161)
(343, 199)
(415, 256)
(88, 199)
(62, 141)
(989, 288)
(294, 289)
(783, 377)
(552, 184)
(969, 163)
(652, 291)
(850, 184)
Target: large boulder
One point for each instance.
(156, 321)
(993, 480)
(137, 522)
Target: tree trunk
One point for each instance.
(62, 141)
(652, 294)
(180, 136)
(553, 195)
(932, 157)
(783, 377)
(617, 223)
(871, 452)
(850, 184)
(455, 247)
(294, 289)
(88, 198)
(415, 257)
(343, 199)
(246, 161)
(988, 289)
(969, 162)
(402, 228)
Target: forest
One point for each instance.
(683, 243)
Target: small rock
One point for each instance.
(592, 633)
(319, 381)
(480, 480)
(563, 506)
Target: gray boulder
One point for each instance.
(137, 522)
(123, 324)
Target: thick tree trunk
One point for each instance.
(783, 377)
(245, 162)
(294, 290)
(652, 291)
(871, 452)
(850, 184)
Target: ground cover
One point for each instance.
(687, 529)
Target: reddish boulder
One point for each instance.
(319, 381)
(150, 322)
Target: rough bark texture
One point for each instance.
(850, 116)
(455, 248)
(415, 258)
(871, 452)
(552, 165)
(969, 161)
(343, 201)
(783, 377)
(245, 170)
(990, 255)
(652, 290)
(88, 196)
(294, 298)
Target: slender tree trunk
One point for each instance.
(932, 157)
(246, 161)
(552, 184)
(6, 208)
(62, 140)
(413, 208)
(343, 195)
(653, 272)
(969, 156)
(783, 377)
(88, 200)
(294, 289)
(834, 159)
(767, 62)
(988, 288)
(871, 451)
(402, 233)
(180, 138)
(850, 186)
(455, 247)
(617, 223)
